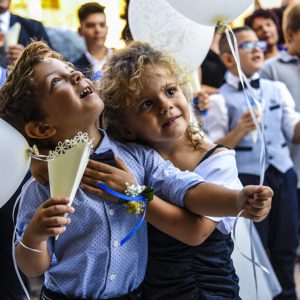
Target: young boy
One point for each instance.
(93, 29)
(279, 230)
(285, 68)
(47, 101)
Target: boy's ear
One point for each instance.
(128, 133)
(228, 60)
(79, 31)
(38, 130)
(289, 35)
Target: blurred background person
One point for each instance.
(29, 29)
(266, 26)
(94, 30)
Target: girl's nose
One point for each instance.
(166, 105)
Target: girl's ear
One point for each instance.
(38, 130)
(128, 133)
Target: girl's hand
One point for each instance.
(113, 177)
(49, 220)
(256, 202)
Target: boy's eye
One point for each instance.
(54, 81)
(171, 91)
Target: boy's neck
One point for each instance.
(98, 52)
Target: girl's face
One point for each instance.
(161, 113)
(67, 98)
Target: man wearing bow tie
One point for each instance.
(279, 232)
(29, 29)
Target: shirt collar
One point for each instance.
(105, 144)
(5, 19)
(287, 58)
(235, 80)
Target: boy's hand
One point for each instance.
(49, 220)
(256, 202)
(204, 102)
(245, 123)
(113, 177)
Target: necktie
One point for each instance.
(107, 157)
(254, 83)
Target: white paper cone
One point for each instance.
(66, 166)
(12, 35)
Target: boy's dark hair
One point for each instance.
(291, 18)
(90, 8)
(19, 103)
(223, 43)
(262, 13)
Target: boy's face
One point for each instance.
(161, 113)
(94, 30)
(266, 30)
(67, 98)
(294, 43)
(251, 55)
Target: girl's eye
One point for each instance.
(147, 103)
(171, 91)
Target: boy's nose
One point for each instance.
(76, 76)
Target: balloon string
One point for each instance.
(244, 82)
(25, 186)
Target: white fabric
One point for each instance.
(220, 168)
(215, 123)
(98, 64)
(4, 21)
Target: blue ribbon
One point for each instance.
(202, 112)
(127, 198)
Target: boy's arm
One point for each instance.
(179, 223)
(48, 220)
(214, 200)
(244, 126)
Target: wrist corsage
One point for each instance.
(134, 190)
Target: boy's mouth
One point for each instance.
(86, 91)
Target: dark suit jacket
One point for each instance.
(83, 65)
(29, 29)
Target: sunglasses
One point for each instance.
(249, 46)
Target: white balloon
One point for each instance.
(211, 12)
(14, 160)
(159, 24)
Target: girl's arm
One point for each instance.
(179, 223)
(172, 220)
(48, 221)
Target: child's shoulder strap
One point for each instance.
(211, 151)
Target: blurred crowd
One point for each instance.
(279, 31)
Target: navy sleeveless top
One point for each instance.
(181, 272)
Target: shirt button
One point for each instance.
(112, 276)
(111, 212)
(116, 244)
(270, 157)
(269, 142)
(266, 127)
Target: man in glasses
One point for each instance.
(279, 231)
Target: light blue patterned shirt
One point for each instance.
(87, 260)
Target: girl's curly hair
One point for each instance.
(122, 83)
